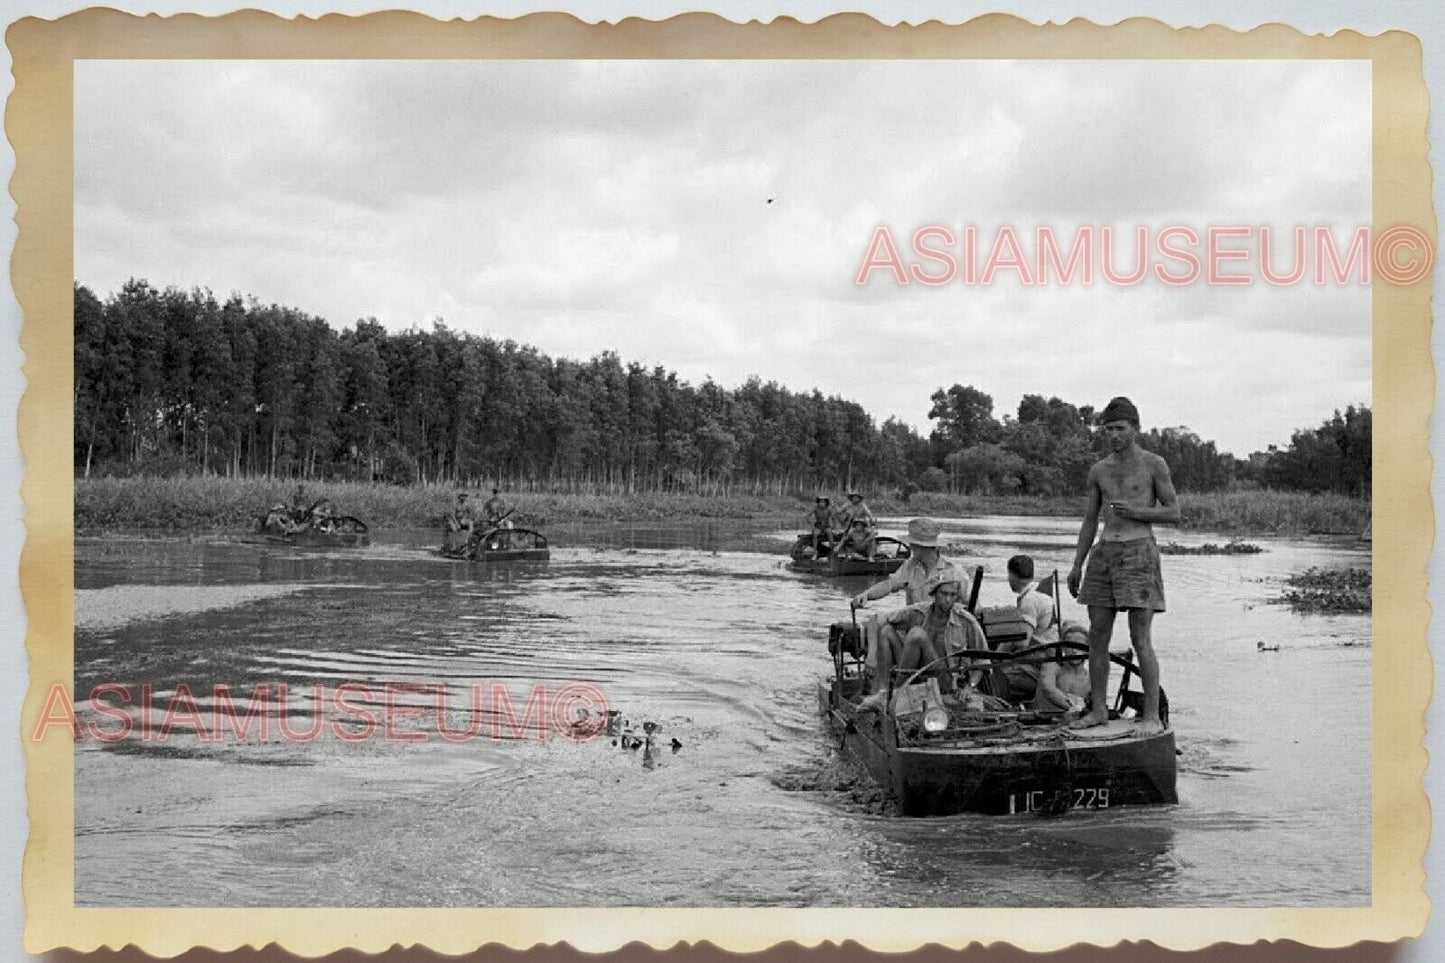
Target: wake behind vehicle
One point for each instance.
(968, 751)
(887, 557)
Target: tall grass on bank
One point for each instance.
(222, 504)
(1284, 513)
(190, 503)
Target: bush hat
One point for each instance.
(853, 495)
(923, 532)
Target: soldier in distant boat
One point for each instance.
(496, 509)
(323, 515)
(853, 511)
(499, 525)
(821, 518)
(279, 520)
(300, 507)
(858, 541)
(460, 522)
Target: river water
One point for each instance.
(702, 630)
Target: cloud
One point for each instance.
(710, 216)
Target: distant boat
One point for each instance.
(888, 556)
(500, 545)
(343, 531)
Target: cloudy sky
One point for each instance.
(584, 206)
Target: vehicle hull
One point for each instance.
(1067, 771)
(314, 539)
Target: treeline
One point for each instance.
(1047, 448)
(1335, 457)
(170, 382)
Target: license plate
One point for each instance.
(1028, 802)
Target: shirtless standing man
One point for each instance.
(1133, 489)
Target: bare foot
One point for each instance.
(1089, 721)
(1149, 727)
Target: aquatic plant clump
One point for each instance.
(1209, 548)
(1344, 590)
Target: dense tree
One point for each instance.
(1335, 457)
(965, 417)
(169, 381)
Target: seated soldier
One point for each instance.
(920, 634)
(858, 541)
(1064, 684)
(323, 515)
(278, 520)
(1037, 609)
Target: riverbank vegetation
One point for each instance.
(172, 383)
(218, 503)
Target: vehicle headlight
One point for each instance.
(935, 719)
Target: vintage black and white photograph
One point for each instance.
(724, 483)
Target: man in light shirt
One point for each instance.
(924, 560)
(1036, 607)
(1037, 610)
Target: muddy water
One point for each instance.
(702, 630)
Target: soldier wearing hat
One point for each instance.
(460, 522)
(821, 518)
(924, 632)
(857, 541)
(1132, 490)
(855, 510)
(924, 560)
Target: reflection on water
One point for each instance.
(703, 631)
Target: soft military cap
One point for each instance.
(1120, 409)
(947, 575)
